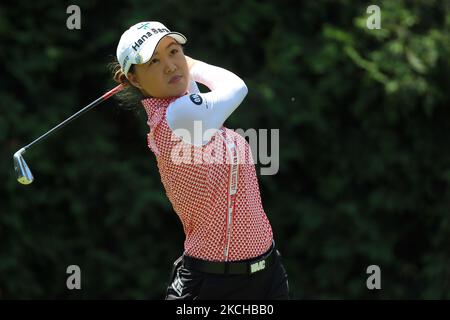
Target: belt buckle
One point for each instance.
(257, 266)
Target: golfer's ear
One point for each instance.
(133, 80)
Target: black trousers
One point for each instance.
(268, 284)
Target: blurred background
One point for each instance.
(364, 120)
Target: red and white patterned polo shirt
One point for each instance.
(199, 192)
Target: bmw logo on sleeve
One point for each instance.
(195, 98)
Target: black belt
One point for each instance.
(232, 267)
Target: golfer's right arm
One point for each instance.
(227, 93)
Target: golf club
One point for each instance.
(23, 172)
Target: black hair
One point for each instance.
(130, 97)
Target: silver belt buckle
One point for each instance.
(258, 266)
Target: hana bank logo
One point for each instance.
(144, 26)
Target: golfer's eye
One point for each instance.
(153, 61)
(174, 51)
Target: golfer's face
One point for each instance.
(166, 74)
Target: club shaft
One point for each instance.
(76, 115)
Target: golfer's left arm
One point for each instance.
(210, 109)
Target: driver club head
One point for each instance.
(23, 172)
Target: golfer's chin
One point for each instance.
(177, 89)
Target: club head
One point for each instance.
(23, 173)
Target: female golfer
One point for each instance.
(229, 251)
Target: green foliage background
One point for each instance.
(364, 125)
